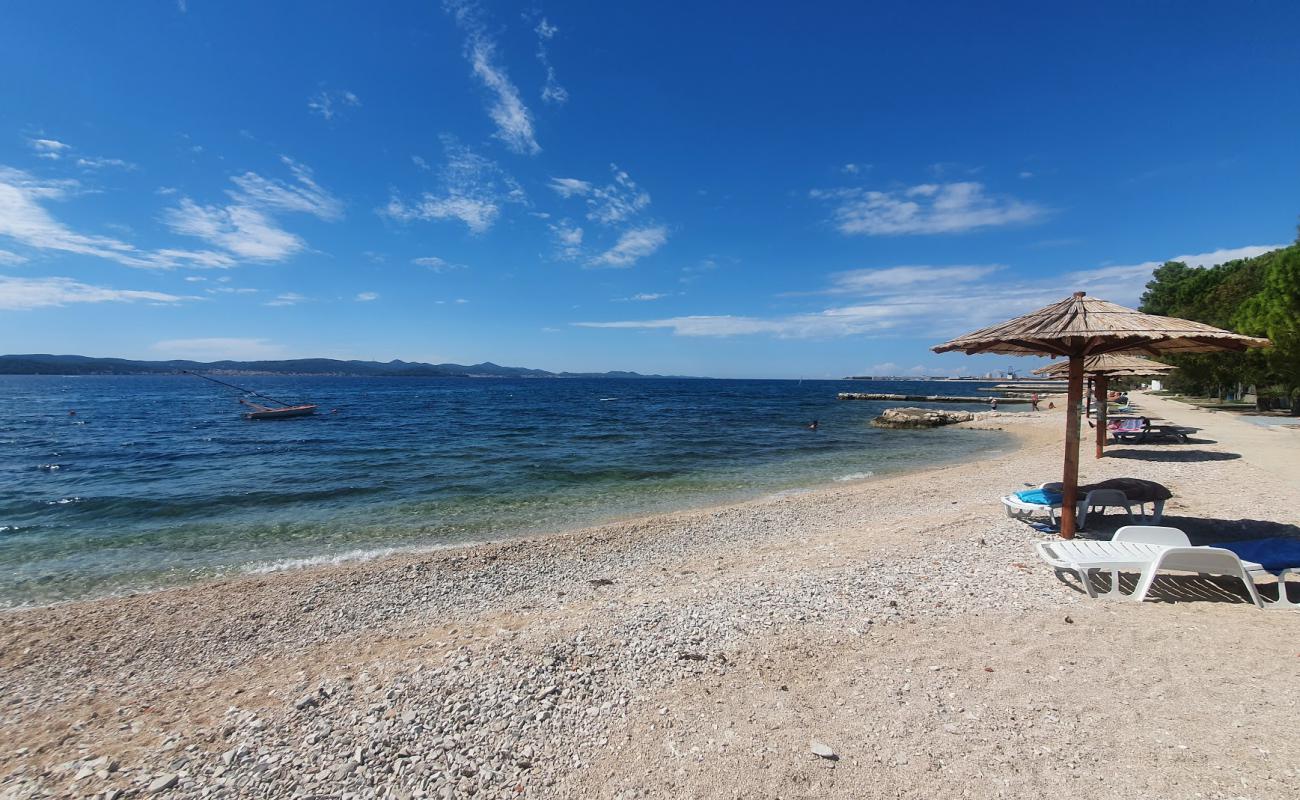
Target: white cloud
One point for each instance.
(568, 187)
(568, 240)
(910, 300)
(195, 279)
(219, 349)
(632, 246)
(475, 189)
(854, 169)
(645, 297)
(610, 204)
(94, 162)
(11, 259)
(24, 219)
(245, 227)
(513, 120)
(366, 297)
(305, 196)
(52, 149)
(240, 229)
(19, 294)
(552, 91)
(328, 103)
(436, 264)
(286, 299)
(924, 209)
(865, 281)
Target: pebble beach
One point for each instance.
(888, 637)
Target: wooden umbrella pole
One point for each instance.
(1087, 400)
(1103, 384)
(1070, 480)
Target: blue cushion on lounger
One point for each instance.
(1274, 555)
(1042, 497)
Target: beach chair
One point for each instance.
(1046, 501)
(1130, 552)
(1123, 430)
(1148, 549)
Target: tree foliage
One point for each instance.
(1259, 296)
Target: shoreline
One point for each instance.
(360, 556)
(683, 654)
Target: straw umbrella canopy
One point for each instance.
(1100, 370)
(1082, 326)
(1113, 364)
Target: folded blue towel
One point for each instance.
(1042, 497)
(1274, 555)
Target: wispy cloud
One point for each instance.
(873, 281)
(220, 348)
(329, 103)
(632, 246)
(11, 259)
(51, 149)
(286, 299)
(474, 190)
(513, 120)
(242, 230)
(642, 297)
(20, 294)
(367, 297)
(95, 162)
(303, 196)
(917, 301)
(928, 208)
(24, 219)
(552, 91)
(568, 240)
(246, 227)
(613, 203)
(436, 264)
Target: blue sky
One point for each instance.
(732, 190)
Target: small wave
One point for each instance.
(855, 476)
(63, 501)
(607, 399)
(50, 467)
(349, 557)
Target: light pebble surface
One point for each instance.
(901, 623)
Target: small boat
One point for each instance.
(282, 411)
(265, 412)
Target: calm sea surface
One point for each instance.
(158, 480)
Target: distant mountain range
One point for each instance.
(41, 364)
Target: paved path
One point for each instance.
(1274, 448)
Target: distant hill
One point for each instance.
(43, 364)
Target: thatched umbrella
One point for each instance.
(1082, 326)
(1100, 369)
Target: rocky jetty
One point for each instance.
(919, 418)
(924, 398)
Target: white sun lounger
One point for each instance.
(1147, 550)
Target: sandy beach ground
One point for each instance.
(903, 622)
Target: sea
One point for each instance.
(120, 484)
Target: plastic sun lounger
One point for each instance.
(1148, 549)
(1097, 498)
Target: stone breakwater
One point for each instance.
(925, 398)
(685, 655)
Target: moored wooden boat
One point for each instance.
(262, 412)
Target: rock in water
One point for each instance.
(919, 418)
(822, 750)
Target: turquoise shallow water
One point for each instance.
(157, 480)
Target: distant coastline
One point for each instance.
(46, 364)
